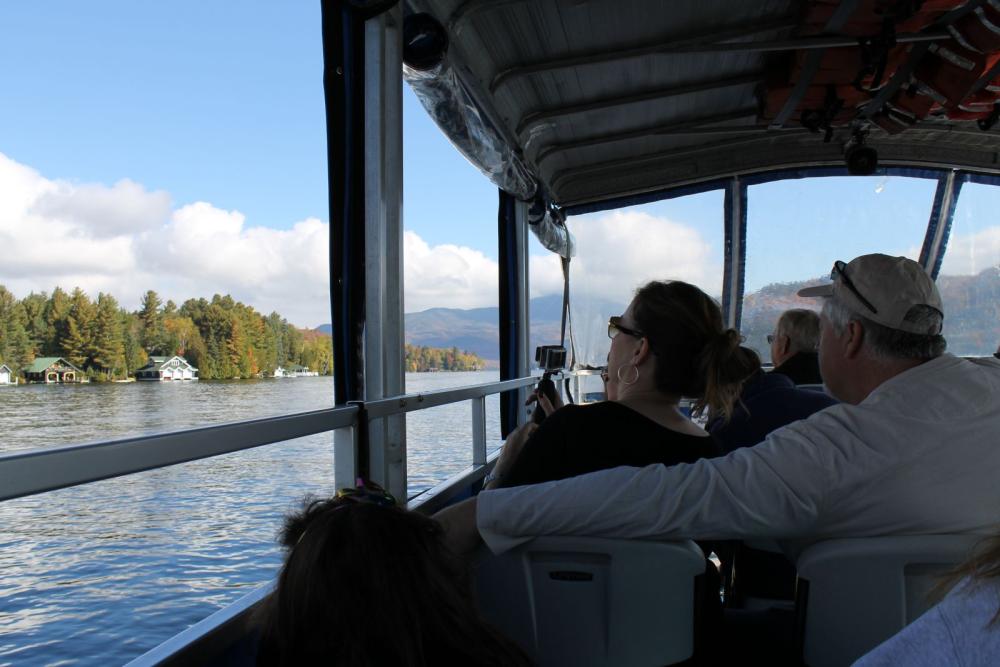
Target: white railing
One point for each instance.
(28, 472)
(24, 473)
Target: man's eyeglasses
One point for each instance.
(615, 327)
(770, 339)
(839, 270)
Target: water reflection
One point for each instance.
(98, 574)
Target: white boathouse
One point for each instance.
(167, 369)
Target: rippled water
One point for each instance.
(98, 574)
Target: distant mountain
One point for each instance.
(477, 330)
(972, 318)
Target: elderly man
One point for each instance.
(794, 344)
(912, 448)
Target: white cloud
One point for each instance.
(971, 253)
(621, 250)
(446, 275)
(124, 239)
(124, 208)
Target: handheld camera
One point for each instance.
(550, 358)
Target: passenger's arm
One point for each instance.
(771, 490)
(459, 523)
(510, 452)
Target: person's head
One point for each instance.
(671, 339)
(367, 583)
(797, 331)
(881, 316)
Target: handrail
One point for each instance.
(32, 471)
(23, 473)
(409, 402)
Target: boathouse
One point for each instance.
(7, 376)
(52, 370)
(167, 369)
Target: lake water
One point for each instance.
(100, 573)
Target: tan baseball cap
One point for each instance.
(882, 289)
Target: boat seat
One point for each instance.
(593, 601)
(853, 594)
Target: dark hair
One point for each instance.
(364, 584)
(696, 356)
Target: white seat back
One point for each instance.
(592, 601)
(862, 591)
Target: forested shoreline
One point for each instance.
(420, 358)
(222, 338)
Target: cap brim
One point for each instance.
(818, 290)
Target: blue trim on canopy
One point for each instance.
(646, 198)
(825, 172)
(960, 179)
(984, 179)
(509, 313)
(934, 220)
(734, 188)
(749, 179)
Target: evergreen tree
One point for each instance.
(152, 324)
(108, 348)
(34, 312)
(56, 312)
(16, 349)
(135, 356)
(77, 343)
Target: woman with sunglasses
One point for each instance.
(669, 343)
(365, 582)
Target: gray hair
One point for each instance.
(885, 343)
(802, 328)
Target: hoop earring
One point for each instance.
(618, 373)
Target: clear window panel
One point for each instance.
(969, 279)
(172, 166)
(797, 229)
(619, 251)
(439, 440)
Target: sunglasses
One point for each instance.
(367, 492)
(840, 271)
(615, 327)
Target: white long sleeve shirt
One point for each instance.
(920, 455)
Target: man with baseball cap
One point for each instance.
(914, 448)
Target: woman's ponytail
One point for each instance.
(724, 364)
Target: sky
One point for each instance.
(181, 147)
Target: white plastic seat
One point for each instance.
(862, 591)
(592, 601)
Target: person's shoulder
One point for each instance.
(574, 414)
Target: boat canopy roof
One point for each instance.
(607, 99)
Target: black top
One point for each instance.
(578, 439)
(802, 368)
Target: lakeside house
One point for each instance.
(7, 376)
(52, 370)
(294, 371)
(167, 369)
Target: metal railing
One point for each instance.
(34, 471)
(28, 472)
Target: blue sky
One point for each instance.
(202, 123)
